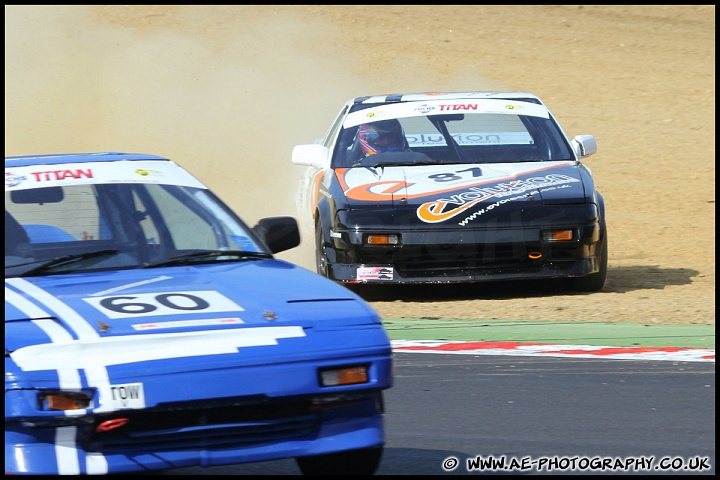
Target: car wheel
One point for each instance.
(363, 461)
(595, 281)
(321, 261)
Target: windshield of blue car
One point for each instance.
(458, 131)
(84, 226)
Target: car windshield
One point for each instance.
(86, 225)
(454, 131)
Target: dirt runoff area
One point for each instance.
(231, 89)
(641, 79)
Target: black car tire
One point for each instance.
(595, 281)
(363, 461)
(321, 261)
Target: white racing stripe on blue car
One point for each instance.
(133, 348)
(68, 378)
(93, 354)
(130, 285)
(66, 451)
(22, 303)
(79, 325)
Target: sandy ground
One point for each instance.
(228, 90)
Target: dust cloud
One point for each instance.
(228, 105)
(225, 90)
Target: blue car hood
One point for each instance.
(208, 301)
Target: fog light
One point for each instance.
(344, 376)
(376, 239)
(557, 235)
(65, 401)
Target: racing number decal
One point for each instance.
(449, 177)
(166, 303)
(179, 301)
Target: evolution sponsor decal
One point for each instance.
(424, 181)
(492, 206)
(440, 210)
(676, 354)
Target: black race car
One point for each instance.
(453, 187)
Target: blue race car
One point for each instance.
(148, 327)
(452, 187)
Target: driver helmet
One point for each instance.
(380, 137)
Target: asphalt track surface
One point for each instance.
(542, 392)
(541, 409)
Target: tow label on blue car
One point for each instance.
(129, 395)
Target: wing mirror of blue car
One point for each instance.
(279, 233)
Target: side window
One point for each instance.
(332, 133)
(340, 141)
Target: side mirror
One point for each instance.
(585, 145)
(278, 233)
(312, 155)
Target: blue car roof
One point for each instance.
(55, 159)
